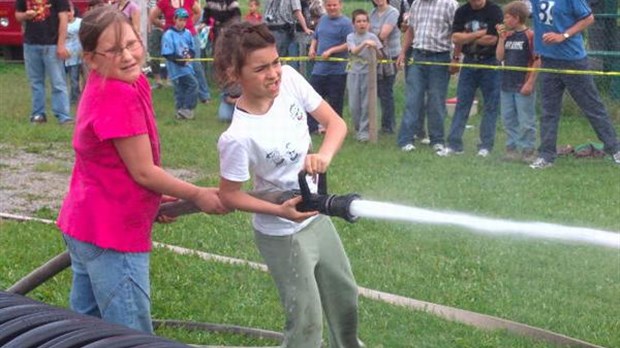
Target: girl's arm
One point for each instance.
(234, 198)
(138, 158)
(335, 132)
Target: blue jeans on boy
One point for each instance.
(331, 88)
(470, 79)
(225, 110)
(110, 285)
(425, 83)
(185, 92)
(519, 117)
(199, 72)
(583, 90)
(74, 71)
(385, 92)
(41, 60)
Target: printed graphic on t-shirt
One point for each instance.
(475, 25)
(289, 155)
(295, 112)
(545, 12)
(41, 9)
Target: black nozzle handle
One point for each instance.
(303, 184)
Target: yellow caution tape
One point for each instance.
(411, 61)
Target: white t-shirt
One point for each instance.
(271, 147)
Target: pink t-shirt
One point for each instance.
(129, 8)
(104, 205)
(166, 8)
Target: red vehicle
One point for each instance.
(11, 39)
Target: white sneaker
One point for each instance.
(438, 148)
(407, 148)
(447, 151)
(425, 141)
(540, 163)
(616, 157)
(483, 153)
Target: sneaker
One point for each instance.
(540, 163)
(38, 118)
(447, 151)
(425, 141)
(483, 153)
(616, 157)
(182, 114)
(438, 148)
(190, 114)
(156, 85)
(66, 121)
(407, 148)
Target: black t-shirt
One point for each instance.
(468, 20)
(43, 28)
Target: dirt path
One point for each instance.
(37, 178)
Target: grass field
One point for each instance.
(567, 288)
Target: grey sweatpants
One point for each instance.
(357, 84)
(313, 275)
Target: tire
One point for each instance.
(13, 53)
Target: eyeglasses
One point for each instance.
(117, 52)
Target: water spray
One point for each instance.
(351, 207)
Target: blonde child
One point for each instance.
(117, 181)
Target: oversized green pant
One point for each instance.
(313, 274)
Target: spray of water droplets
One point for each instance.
(389, 211)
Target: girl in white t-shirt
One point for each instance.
(268, 141)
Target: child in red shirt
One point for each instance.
(254, 15)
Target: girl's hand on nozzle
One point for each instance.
(316, 163)
(290, 212)
(208, 200)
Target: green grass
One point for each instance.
(568, 288)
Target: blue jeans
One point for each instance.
(470, 79)
(225, 110)
(74, 72)
(427, 87)
(199, 73)
(385, 91)
(286, 44)
(331, 88)
(584, 92)
(110, 285)
(519, 117)
(41, 60)
(185, 92)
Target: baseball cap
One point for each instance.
(181, 13)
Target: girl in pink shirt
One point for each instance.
(117, 180)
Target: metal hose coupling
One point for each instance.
(331, 205)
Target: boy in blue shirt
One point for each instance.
(177, 45)
(558, 40)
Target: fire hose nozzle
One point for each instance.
(331, 205)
